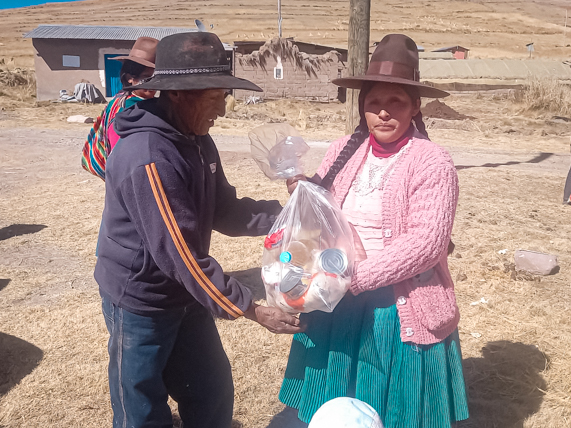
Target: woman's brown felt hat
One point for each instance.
(395, 60)
(193, 61)
(143, 52)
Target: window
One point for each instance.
(278, 73)
(279, 69)
(70, 60)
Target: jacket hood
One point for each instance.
(145, 116)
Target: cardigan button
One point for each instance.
(388, 233)
(409, 331)
(401, 300)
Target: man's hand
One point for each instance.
(273, 319)
(292, 182)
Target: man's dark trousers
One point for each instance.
(176, 353)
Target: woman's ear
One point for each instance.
(130, 79)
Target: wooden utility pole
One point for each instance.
(280, 18)
(358, 55)
(565, 28)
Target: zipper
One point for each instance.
(201, 161)
(193, 141)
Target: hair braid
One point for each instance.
(420, 124)
(361, 133)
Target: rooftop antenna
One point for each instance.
(530, 49)
(200, 26)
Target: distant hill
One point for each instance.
(490, 29)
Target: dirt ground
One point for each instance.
(514, 327)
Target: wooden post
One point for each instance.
(280, 18)
(565, 28)
(358, 55)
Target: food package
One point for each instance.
(277, 149)
(308, 254)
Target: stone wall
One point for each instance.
(296, 83)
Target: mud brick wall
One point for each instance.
(296, 83)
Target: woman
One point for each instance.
(137, 66)
(392, 342)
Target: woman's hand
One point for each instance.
(292, 182)
(273, 319)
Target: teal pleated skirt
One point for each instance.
(356, 351)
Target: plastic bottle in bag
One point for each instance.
(308, 254)
(277, 149)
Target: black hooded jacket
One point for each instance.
(164, 194)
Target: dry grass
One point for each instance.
(17, 83)
(286, 50)
(545, 95)
(53, 339)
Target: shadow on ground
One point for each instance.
(3, 283)
(18, 359)
(251, 278)
(19, 229)
(287, 418)
(537, 159)
(505, 385)
(177, 422)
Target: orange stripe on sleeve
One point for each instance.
(182, 247)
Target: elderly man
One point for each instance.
(165, 193)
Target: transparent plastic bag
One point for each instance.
(308, 254)
(277, 149)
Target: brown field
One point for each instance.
(512, 164)
(490, 28)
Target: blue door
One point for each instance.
(112, 75)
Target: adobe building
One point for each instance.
(69, 54)
(286, 68)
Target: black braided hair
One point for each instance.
(419, 123)
(413, 93)
(361, 133)
(357, 138)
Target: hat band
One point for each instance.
(394, 69)
(195, 70)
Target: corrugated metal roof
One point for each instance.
(102, 32)
(450, 48)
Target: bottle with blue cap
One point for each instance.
(296, 254)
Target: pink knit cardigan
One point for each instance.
(418, 208)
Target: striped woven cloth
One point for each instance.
(97, 147)
(356, 351)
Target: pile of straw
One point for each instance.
(286, 50)
(547, 95)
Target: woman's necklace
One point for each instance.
(374, 175)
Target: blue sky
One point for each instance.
(10, 4)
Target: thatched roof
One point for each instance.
(286, 50)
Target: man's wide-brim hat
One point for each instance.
(143, 52)
(193, 61)
(395, 60)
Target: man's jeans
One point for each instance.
(176, 353)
